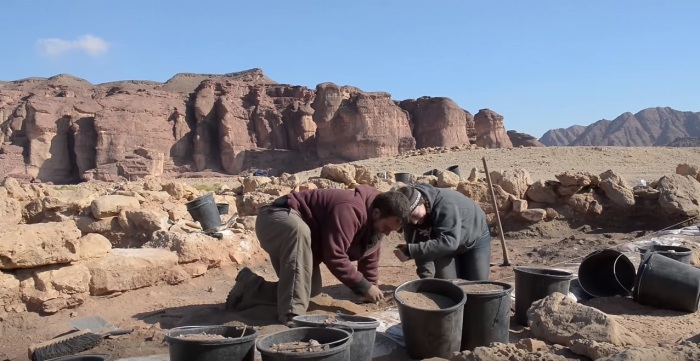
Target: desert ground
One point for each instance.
(153, 310)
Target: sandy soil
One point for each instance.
(153, 310)
(649, 163)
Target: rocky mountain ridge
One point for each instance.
(63, 129)
(659, 126)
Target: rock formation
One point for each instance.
(64, 129)
(649, 127)
(490, 131)
(353, 125)
(523, 140)
(437, 122)
(561, 136)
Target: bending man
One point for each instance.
(303, 229)
(447, 235)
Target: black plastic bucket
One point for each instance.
(665, 283)
(455, 169)
(223, 208)
(84, 357)
(403, 177)
(431, 172)
(680, 254)
(339, 341)
(532, 284)
(607, 273)
(486, 315)
(432, 333)
(205, 211)
(237, 346)
(364, 331)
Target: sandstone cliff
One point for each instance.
(64, 129)
(490, 130)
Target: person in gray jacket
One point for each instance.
(447, 235)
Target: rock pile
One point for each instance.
(573, 330)
(572, 195)
(61, 244)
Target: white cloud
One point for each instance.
(90, 44)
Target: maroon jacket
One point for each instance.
(341, 232)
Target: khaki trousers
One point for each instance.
(287, 240)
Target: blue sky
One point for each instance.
(541, 64)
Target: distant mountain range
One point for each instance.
(649, 127)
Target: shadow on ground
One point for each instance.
(209, 314)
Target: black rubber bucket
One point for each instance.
(532, 284)
(455, 169)
(665, 283)
(364, 331)
(607, 273)
(84, 357)
(403, 177)
(432, 333)
(339, 341)
(205, 211)
(486, 314)
(223, 208)
(237, 346)
(680, 254)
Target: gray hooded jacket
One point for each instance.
(455, 223)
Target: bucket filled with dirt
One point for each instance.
(211, 343)
(431, 313)
(307, 343)
(364, 331)
(486, 313)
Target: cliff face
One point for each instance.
(490, 130)
(64, 129)
(437, 122)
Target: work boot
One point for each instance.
(244, 280)
(287, 320)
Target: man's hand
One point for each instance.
(374, 295)
(401, 253)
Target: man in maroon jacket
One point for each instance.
(303, 229)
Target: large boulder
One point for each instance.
(42, 244)
(679, 195)
(341, 173)
(543, 192)
(559, 319)
(93, 245)
(617, 189)
(112, 205)
(56, 287)
(514, 181)
(129, 269)
(479, 192)
(590, 203)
